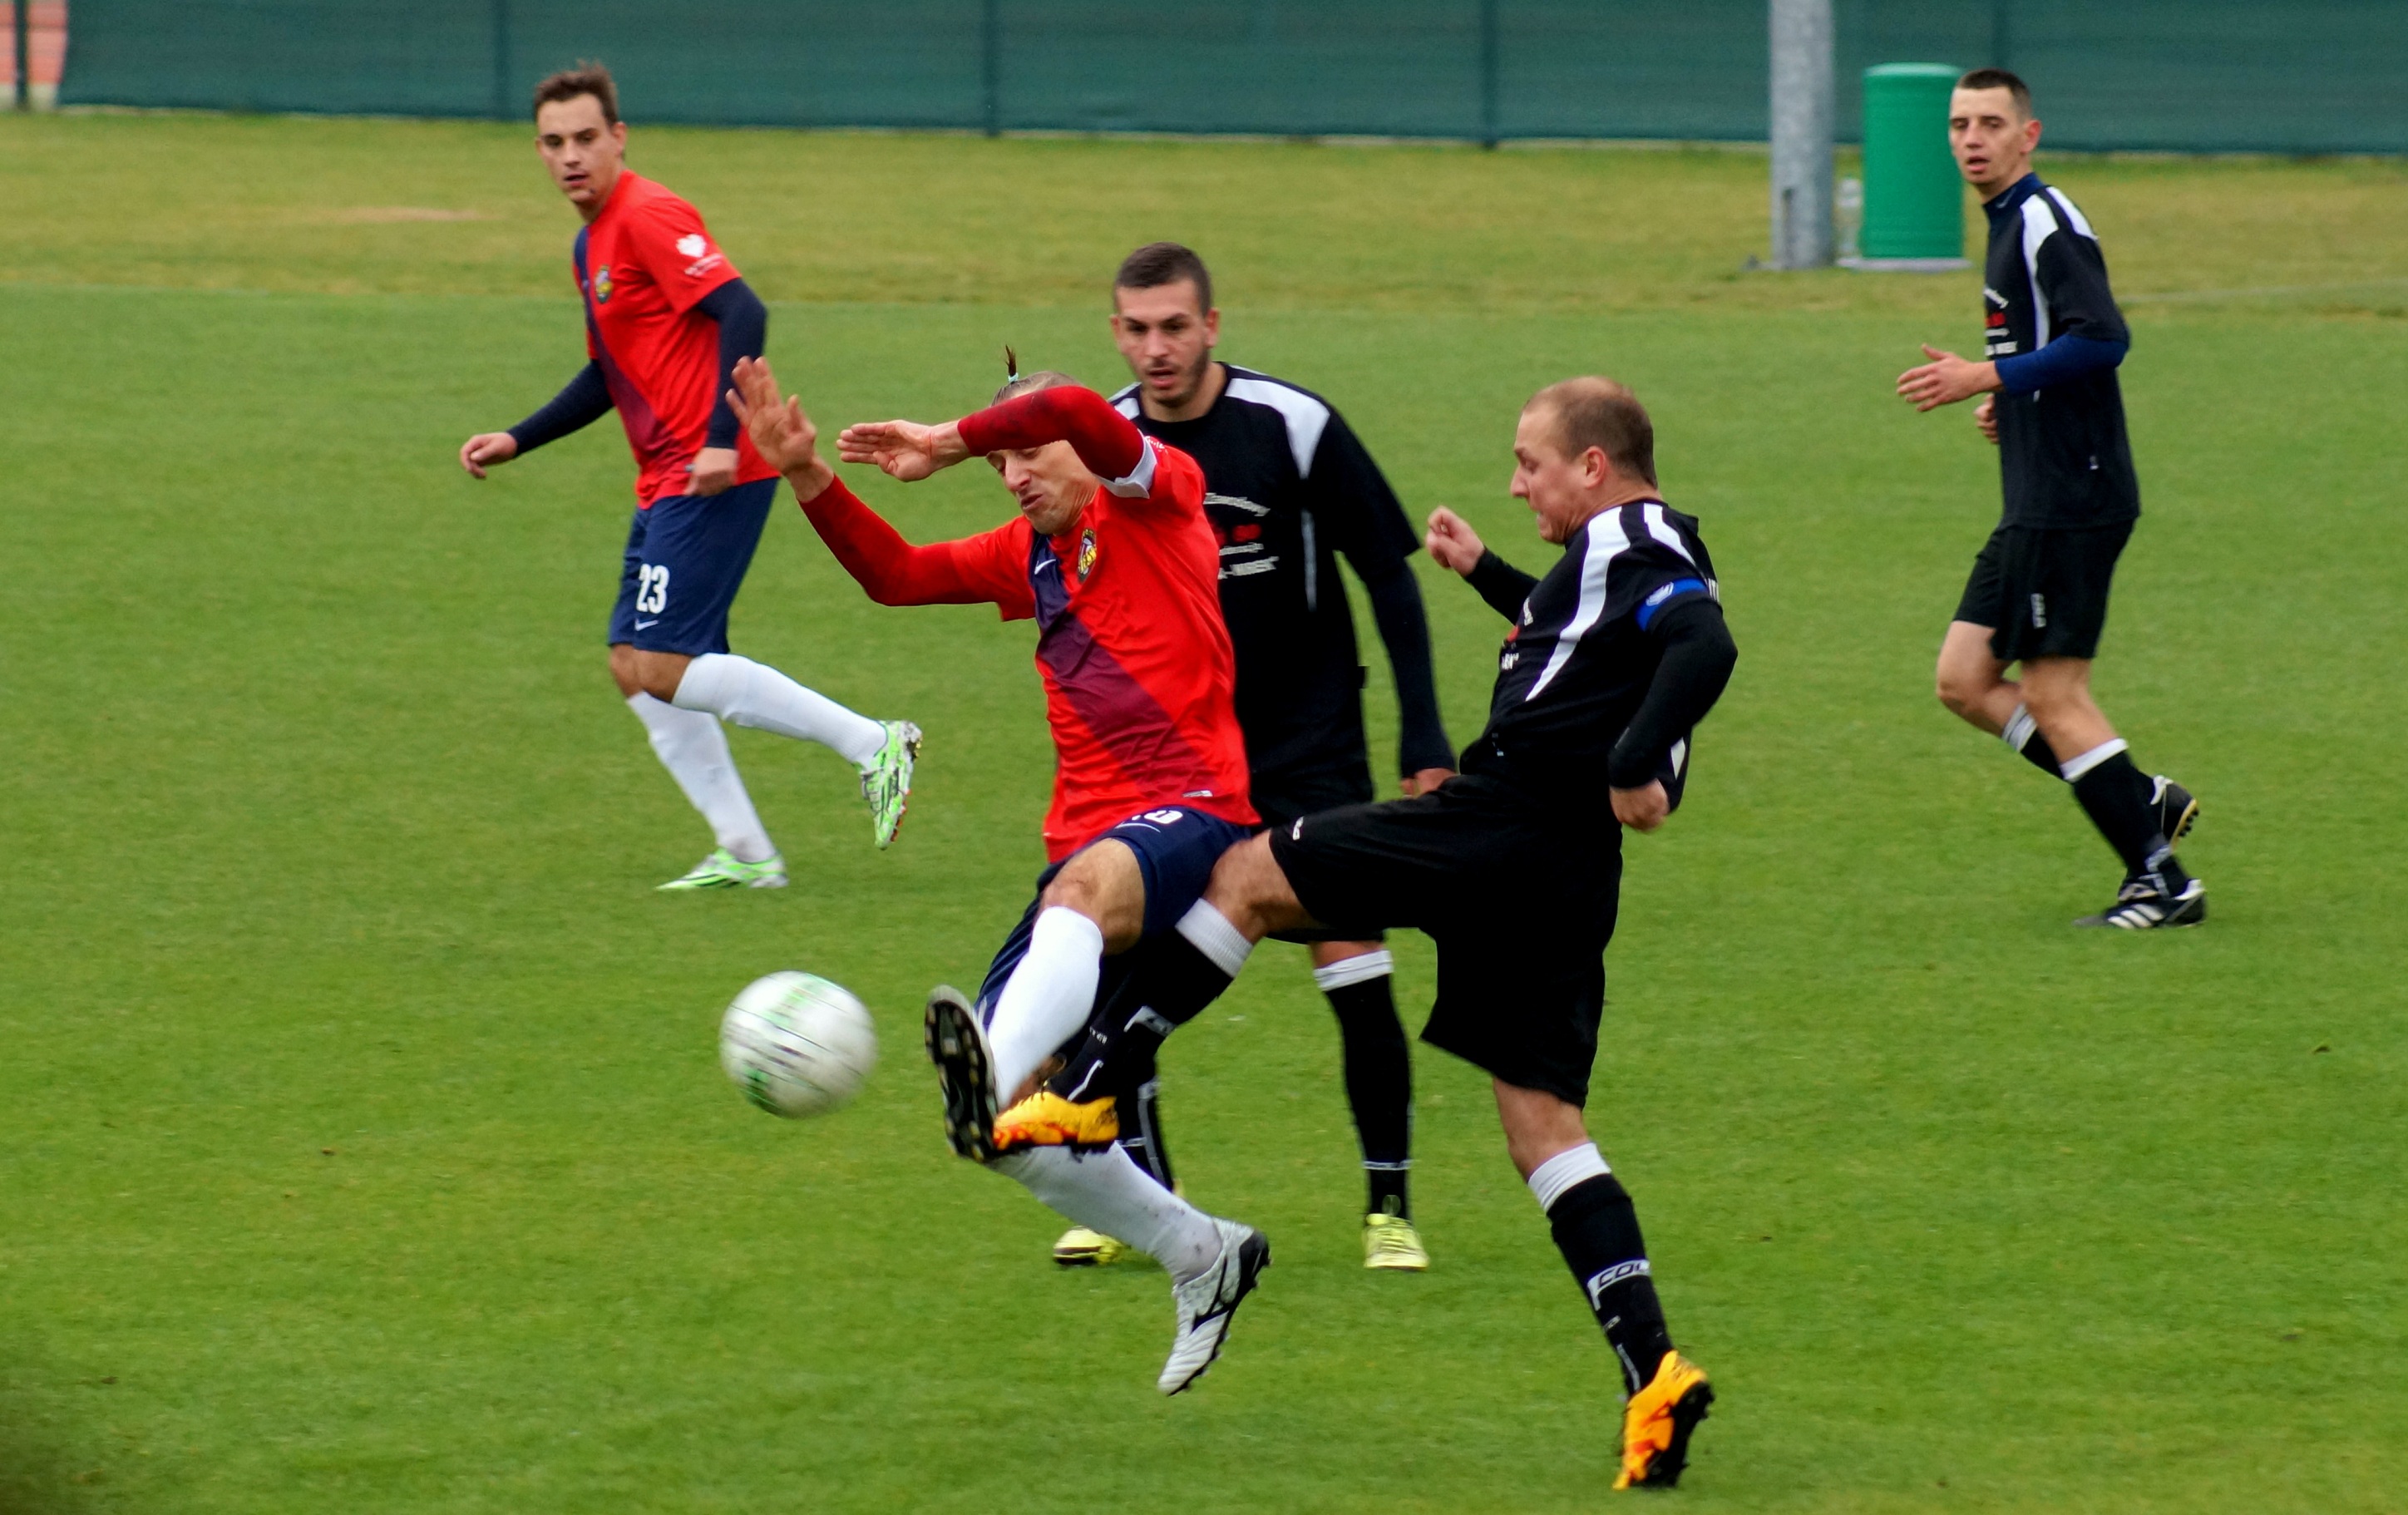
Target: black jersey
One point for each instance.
(1288, 487)
(2063, 456)
(1579, 661)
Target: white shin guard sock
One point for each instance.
(1048, 997)
(754, 694)
(694, 749)
(1108, 1192)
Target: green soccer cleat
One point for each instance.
(1390, 1242)
(886, 779)
(1083, 1248)
(722, 870)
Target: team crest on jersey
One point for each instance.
(1086, 554)
(602, 285)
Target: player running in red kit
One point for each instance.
(1112, 556)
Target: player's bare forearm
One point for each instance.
(1945, 379)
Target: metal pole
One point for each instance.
(502, 104)
(991, 64)
(22, 25)
(1489, 48)
(1802, 111)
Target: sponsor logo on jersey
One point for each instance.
(1994, 297)
(1236, 502)
(602, 285)
(1086, 554)
(692, 245)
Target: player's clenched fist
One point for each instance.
(486, 450)
(1453, 542)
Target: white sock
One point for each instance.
(1108, 1192)
(694, 749)
(1048, 997)
(1210, 933)
(1349, 971)
(2091, 758)
(754, 694)
(1573, 1165)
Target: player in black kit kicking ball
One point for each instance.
(2038, 594)
(1514, 867)
(1289, 490)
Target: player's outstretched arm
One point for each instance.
(585, 400)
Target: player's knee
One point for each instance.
(1959, 689)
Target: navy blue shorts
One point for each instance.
(686, 558)
(1176, 847)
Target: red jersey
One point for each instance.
(641, 265)
(1139, 675)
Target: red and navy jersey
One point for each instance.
(642, 265)
(1139, 676)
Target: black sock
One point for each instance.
(1380, 1087)
(2117, 797)
(1167, 986)
(1596, 1229)
(1140, 1116)
(2023, 735)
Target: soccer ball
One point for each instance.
(796, 1043)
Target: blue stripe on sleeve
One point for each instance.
(1675, 590)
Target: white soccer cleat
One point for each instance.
(1207, 1302)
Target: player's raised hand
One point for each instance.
(780, 432)
(905, 450)
(1945, 379)
(1453, 542)
(1986, 416)
(487, 449)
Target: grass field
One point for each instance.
(361, 1144)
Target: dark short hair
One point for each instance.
(1016, 383)
(1593, 412)
(1157, 264)
(1999, 79)
(587, 77)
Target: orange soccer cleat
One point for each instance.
(1657, 1423)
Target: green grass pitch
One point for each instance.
(362, 1143)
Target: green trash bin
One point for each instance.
(1914, 200)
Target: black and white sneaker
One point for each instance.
(1208, 1302)
(2139, 907)
(2177, 807)
(965, 1063)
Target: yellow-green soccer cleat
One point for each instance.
(1083, 1248)
(722, 870)
(886, 779)
(1390, 1241)
(1657, 1423)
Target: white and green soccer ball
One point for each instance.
(796, 1043)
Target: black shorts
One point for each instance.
(1518, 889)
(2043, 590)
(1279, 799)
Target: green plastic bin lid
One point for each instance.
(1945, 71)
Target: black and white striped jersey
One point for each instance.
(2063, 456)
(1289, 487)
(1580, 659)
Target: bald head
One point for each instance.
(1595, 412)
